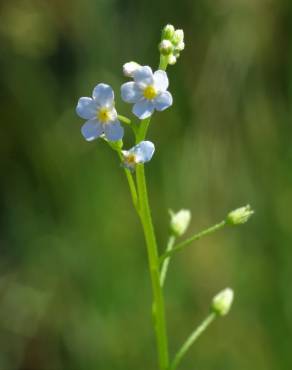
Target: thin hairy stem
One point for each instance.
(124, 119)
(188, 241)
(165, 264)
(191, 340)
(131, 183)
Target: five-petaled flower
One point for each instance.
(140, 153)
(101, 115)
(148, 91)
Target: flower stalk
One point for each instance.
(188, 241)
(153, 256)
(191, 340)
(148, 92)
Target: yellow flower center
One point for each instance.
(149, 92)
(131, 159)
(103, 115)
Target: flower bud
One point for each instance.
(165, 47)
(239, 215)
(171, 59)
(222, 302)
(180, 221)
(129, 68)
(180, 46)
(168, 32)
(178, 37)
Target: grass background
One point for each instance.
(74, 285)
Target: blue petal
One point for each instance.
(143, 108)
(160, 80)
(144, 151)
(91, 130)
(86, 108)
(143, 76)
(114, 131)
(130, 92)
(163, 101)
(103, 94)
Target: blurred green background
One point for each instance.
(74, 285)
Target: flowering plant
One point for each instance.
(148, 92)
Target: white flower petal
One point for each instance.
(125, 153)
(86, 108)
(143, 76)
(130, 92)
(144, 151)
(103, 94)
(91, 130)
(163, 101)
(114, 131)
(160, 80)
(113, 114)
(143, 108)
(129, 68)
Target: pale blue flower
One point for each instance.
(148, 92)
(140, 153)
(101, 115)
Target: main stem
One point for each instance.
(153, 258)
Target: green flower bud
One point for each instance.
(180, 46)
(180, 221)
(168, 32)
(239, 215)
(222, 302)
(171, 59)
(165, 47)
(178, 37)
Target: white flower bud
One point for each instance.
(165, 47)
(180, 221)
(222, 302)
(168, 32)
(171, 59)
(129, 68)
(178, 37)
(180, 46)
(239, 215)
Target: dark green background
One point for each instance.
(74, 286)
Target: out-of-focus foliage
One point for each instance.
(74, 286)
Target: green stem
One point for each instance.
(143, 210)
(191, 339)
(131, 183)
(165, 264)
(163, 62)
(158, 299)
(142, 131)
(188, 241)
(124, 119)
(132, 188)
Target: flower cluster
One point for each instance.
(172, 43)
(148, 92)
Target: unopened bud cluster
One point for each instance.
(172, 43)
